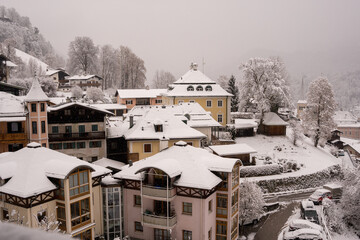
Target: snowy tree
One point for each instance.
(22, 82)
(83, 56)
(234, 90)
(297, 132)
(162, 79)
(48, 86)
(132, 70)
(94, 94)
(266, 83)
(76, 92)
(318, 115)
(223, 81)
(251, 201)
(108, 65)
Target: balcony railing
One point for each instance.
(13, 136)
(75, 136)
(158, 192)
(159, 221)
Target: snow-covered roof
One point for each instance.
(198, 116)
(193, 165)
(232, 149)
(10, 64)
(355, 146)
(140, 93)
(302, 101)
(36, 93)
(272, 119)
(65, 105)
(181, 90)
(344, 118)
(83, 77)
(106, 162)
(194, 76)
(50, 72)
(109, 180)
(173, 127)
(11, 106)
(109, 106)
(245, 123)
(29, 170)
(26, 58)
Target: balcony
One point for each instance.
(164, 222)
(54, 137)
(159, 193)
(13, 136)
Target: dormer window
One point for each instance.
(190, 88)
(208, 88)
(199, 88)
(158, 128)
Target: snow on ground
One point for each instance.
(26, 58)
(313, 159)
(350, 235)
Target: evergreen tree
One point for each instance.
(234, 90)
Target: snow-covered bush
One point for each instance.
(297, 132)
(232, 132)
(333, 216)
(76, 92)
(261, 170)
(333, 150)
(288, 165)
(94, 94)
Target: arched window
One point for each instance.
(208, 88)
(190, 88)
(199, 88)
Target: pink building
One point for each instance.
(182, 192)
(133, 97)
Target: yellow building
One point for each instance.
(39, 182)
(194, 86)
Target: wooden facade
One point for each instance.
(11, 141)
(273, 130)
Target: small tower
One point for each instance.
(36, 103)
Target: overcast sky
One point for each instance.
(312, 36)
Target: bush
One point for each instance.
(262, 170)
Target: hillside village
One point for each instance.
(98, 155)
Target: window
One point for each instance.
(162, 234)
(180, 102)
(5, 214)
(210, 206)
(81, 128)
(41, 215)
(79, 182)
(95, 144)
(190, 88)
(42, 107)
(158, 128)
(147, 148)
(94, 128)
(158, 101)
(235, 176)
(94, 158)
(59, 193)
(67, 112)
(138, 227)
(43, 129)
(221, 205)
(128, 102)
(224, 184)
(55, 146)
(33, 107)
(80, 145)
(199, 88)
(220, 103)
(14, 147)
(208, 88)
(208, 103)
(209, 234)
(234, 227)
(221, 230)
(55, 129)
(34, 127)
(80, 212)
(220, 118)
(187, 208)
(137, 200)
(61, 215)
(192, 101)
(187, 235)
(69, 145)
(43, 145)
(68, 129)
(14, 127)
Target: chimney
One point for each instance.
(193, 66)
(131, 118)
(130, 163)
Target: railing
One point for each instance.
(158, 192)
(75, 136)
(13, 136)
(159, 221)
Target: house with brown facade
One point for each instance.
(136, 97)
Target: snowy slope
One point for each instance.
(26, 58)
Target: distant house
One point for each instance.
(135, 97)
(272, 125)
(58, 76)
(240, 151)
(5, 66)
(348, 124)
(86, 81)
(301, 105)
(353, 148)
(10, 88)
(244, 127)
(116, 109)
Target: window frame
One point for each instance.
(128, 102)
(95, 144)
(33, 107)
(80, 216)
(187, 208)
(219, 207)
(136, 199)
(220, 101)
(144, 147)
(42, 107)
(78, 186)
(209, 101)
(53, 128)
(34, 127)
(43, 127)
(220, 118)
(94, 128)
(186, 235)
(138, 227)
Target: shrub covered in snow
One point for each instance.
(333, 215)
(261, 170)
